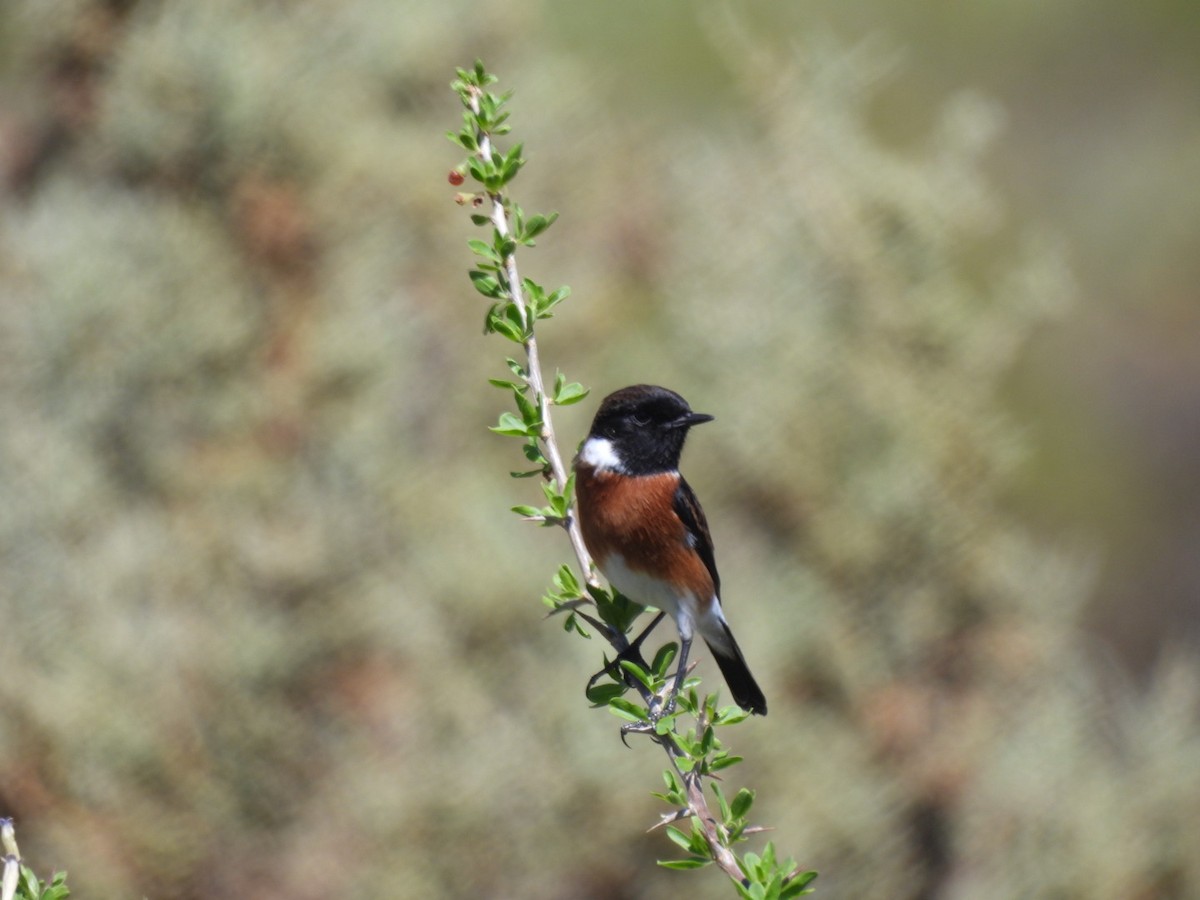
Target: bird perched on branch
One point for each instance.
(646, 530)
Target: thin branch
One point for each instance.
(499, 217)
(710, 827)
(698, 807)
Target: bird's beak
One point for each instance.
(691, 419)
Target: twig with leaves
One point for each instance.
(516, 305)
(18, 881)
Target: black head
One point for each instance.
(645, 426)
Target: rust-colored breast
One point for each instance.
(634, 517)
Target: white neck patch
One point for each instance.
(601, 455)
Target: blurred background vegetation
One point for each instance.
(267, 628)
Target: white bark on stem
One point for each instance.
(499, 217)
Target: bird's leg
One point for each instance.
(685, 644)
(631, 653)
(649, 727)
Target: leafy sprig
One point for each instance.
(515, 305)
(18, 881)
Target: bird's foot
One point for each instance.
(658, 711)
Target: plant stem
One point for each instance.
(499, 217)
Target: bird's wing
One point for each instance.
(688, 508)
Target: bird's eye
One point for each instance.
(640, 421)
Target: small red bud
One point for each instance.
(455, 177)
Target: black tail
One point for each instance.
(745, 690)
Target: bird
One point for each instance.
(646, 531)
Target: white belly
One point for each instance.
(651, 592)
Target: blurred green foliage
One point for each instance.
(268, 628)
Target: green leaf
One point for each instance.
(721, 801)
(693, 862)
(604, 694)
(511, 164)
(527, 511)
(487, 107)
(527, 408)
(553, 300)
(683, 840)
(699, 843)
(559, 500)
(571, 623)
(535, 226)
(799, 885)
(486, 284)
(730, 715)
(533, 452)
(666, 724)
(502, 324)
(742, 802)
(724, 762)
(535, 296)
(506, 328)
(510, 425)
(637, 672)
(509, 172)
(479, 170)
(663, 658)
(627, 710)
(769, 860)
(570, 393)
(26, 875)
(512, 313)
(687, 744)
(673, 782)
(615, 609)
(565, 579)
(482, 248)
